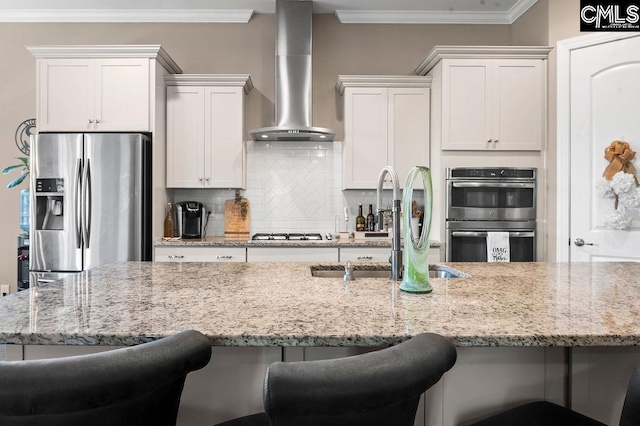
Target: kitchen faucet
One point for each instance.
(396, 251)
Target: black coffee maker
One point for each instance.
(191, 217)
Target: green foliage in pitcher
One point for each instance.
(23, 166)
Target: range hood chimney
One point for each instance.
(293, 77)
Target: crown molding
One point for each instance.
(469, 52)
(225, 80)
(395, 81)
(519, 8)
(244, 15)
(433, 17)
(126, 15)
(153, 51)
(420, 17)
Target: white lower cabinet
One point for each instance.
(365, 254)
(435, 254)
(292, 254)
(200, 254)
(379, 254)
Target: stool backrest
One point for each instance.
(631, 408)
(376, 388)
(139, 385)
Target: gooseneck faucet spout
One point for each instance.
(396, 250)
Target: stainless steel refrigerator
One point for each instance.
(90, 200)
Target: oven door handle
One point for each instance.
(517, 185)
(481, 234)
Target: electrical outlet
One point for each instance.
(4, 289)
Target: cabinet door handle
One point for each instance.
(175, 256)
(489, 141)
(224, 256)
(495, 141)
(365, 257)
(199, 179)
(90, 121)
(97, 121)
(206, 179)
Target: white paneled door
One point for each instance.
(603, 100)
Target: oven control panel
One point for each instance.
(490, 173)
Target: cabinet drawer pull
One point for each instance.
(175, 256)
(365, 257)
(227, 256)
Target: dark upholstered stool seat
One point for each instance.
(373, 389)
(139, 385)
(259, 419)
(533, 413)
(547, 414)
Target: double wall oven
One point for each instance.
(489, 199)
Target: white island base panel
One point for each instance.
(484, 380)
(599, 380)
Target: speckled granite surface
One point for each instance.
(280, 304)
(244, 242)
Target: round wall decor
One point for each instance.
(23, 132)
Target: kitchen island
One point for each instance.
(513, 322)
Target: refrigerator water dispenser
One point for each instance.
(49, 204)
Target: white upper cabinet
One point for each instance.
(97, 88)
(205, 131)
(488, 98)
(386, 122)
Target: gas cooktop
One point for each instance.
(287, 237)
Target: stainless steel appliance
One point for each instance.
(90, 200)
(489, 199)
(191, 218)
(293, 77)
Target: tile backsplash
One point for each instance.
(291, 187)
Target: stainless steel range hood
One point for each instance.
(293, 77)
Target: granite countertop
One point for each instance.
(245, 242)
(281, 304)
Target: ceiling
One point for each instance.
(347, 11)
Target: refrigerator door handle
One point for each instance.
(86, 201)
(78, 203)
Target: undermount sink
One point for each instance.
(380, 271)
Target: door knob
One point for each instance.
(580, 242)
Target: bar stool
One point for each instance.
(543, 413)
(376, 388)
(139, 385)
